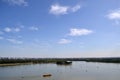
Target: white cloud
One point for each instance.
(114, 15)
(17, 2)
(79, 32)
(7, 29)
(75, 8)
(14, 41)
(57, 9)
(1, 38)
(33, 28)
(64, 41)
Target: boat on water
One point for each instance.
(64, 62)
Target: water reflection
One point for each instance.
(74, 71)
(64, 64)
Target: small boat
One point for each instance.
(64, 62)
(47, 75)
(68, 62)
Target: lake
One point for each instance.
(77, 71)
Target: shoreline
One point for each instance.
(14, 64)
(25, 61)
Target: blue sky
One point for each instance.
(60, 28)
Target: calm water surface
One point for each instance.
(76, 71)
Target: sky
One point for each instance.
(59, 28)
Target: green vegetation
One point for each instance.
(4, 60)
(29, 60)
(105, 60)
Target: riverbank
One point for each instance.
(14, 64)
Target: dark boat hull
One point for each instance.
(63, 62)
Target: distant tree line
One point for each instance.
(105, 60)
(6, 60)
(28, 60)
